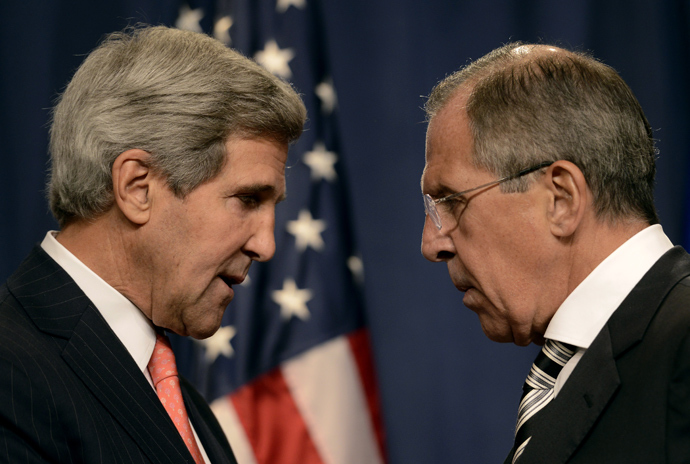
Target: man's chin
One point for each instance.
(201, 328)
(503, 333)
(202, 333)
(507, 336)
(498, 336)
(494, 326)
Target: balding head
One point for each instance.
(529, 103)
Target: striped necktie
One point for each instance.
(538, 391)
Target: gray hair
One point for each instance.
(175, 94)
(533, 103)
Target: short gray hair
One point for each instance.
(175, 94)
(533, 103)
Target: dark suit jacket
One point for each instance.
(69, 390)
(628, 399)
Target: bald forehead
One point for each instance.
(449, 147)
(456, 103)
(498, 61)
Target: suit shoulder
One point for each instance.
(675, 308)
(14, 320)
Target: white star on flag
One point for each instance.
(292, 300)
(219, 343)
(188, 19)
(326, 93)
(356, 266)
(275, 59)
(221, 29)
(321, 162)
(307, 231)
(283, 5)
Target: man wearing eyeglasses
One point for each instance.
(538, 188)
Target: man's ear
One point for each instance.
(569, 197)
(132, 178)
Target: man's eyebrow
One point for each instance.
(438, 191)
(262, 189)
(444, 190)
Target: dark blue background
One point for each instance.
(449, 394)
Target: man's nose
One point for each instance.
(261, 246)
(436, 245)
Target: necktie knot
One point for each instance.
(550, 360)
(538, 390)
(162, 364)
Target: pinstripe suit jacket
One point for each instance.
(628, 399)
(69, 390)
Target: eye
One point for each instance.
(249, 201)
(453, 204)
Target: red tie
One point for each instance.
(164, 374)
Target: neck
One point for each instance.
(594, 242)
(105, 246)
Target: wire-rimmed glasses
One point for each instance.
(430, 203)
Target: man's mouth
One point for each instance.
(232, 280)
(463, 287)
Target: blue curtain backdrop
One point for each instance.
(449, 395)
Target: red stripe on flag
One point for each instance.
(361, 349)
(273, 423)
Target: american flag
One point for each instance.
(290, 374)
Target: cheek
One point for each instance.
(495, 272)
(495, 249)
(511, 248)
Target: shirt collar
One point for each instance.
(132, 327)
(587, 309)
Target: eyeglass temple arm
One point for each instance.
(528, 170)
(493, 182)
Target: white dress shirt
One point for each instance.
(131, 326)
(587, 309)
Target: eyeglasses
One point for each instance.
(430, 203)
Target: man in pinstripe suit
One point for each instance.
(167, 160)
(538, 185)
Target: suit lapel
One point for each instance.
(92, 350)
(568, 419)
(100, 360)
(48, 295)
